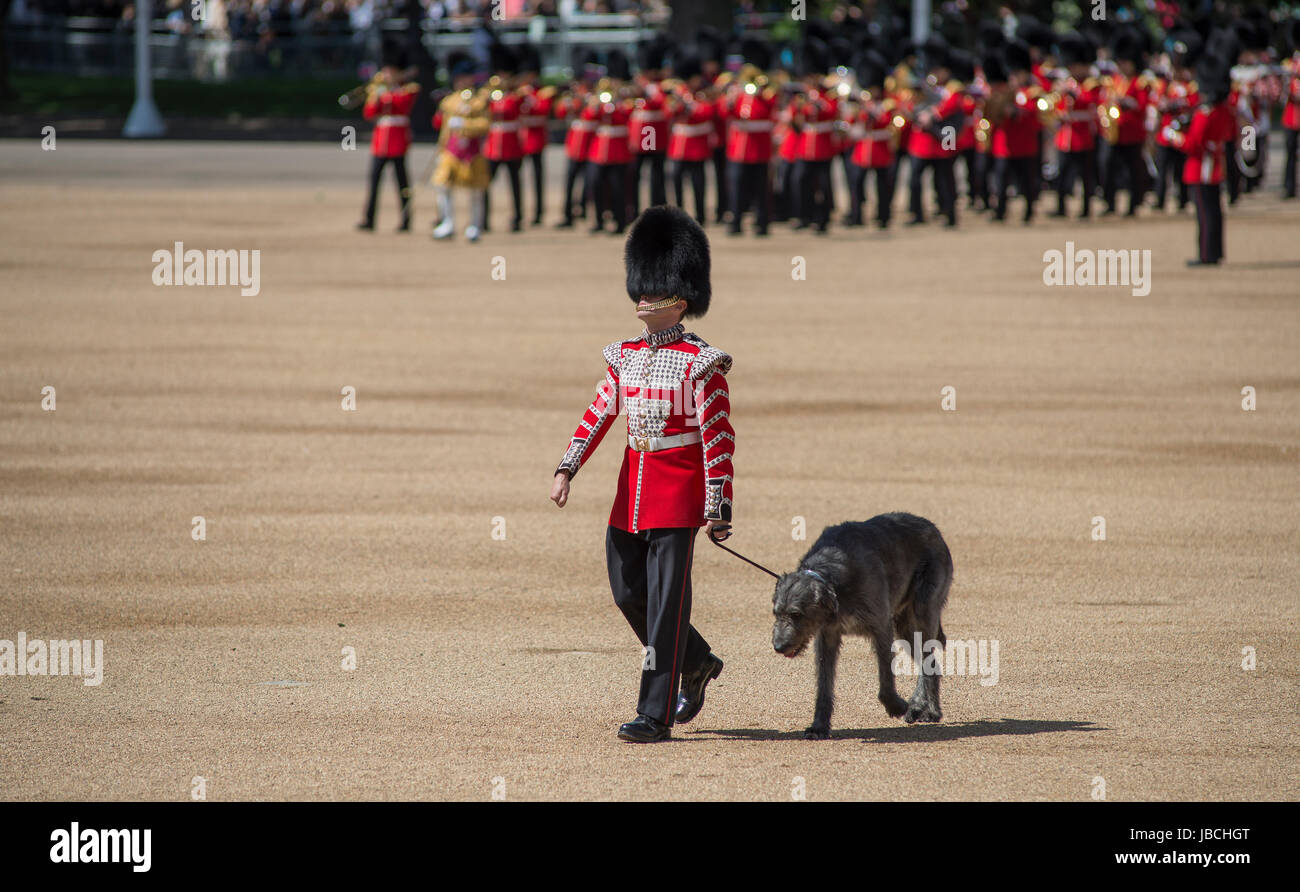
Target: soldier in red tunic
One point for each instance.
(932, 142)
(1127, 97)
(1175, 100)
(647, 137)
(1212, 127)
(749, 147)
(1291, 110)
(538, 104)
(582, 114)
(677, 473)
(873, 134)
(388, 104)
(608, 163)
(1016, 125)
(505, 145)
(1076, 138)
(691, 114)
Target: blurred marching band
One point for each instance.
(1177, 116)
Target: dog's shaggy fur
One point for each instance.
(886, 578)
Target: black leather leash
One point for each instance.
(723, 529)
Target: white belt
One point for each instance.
(533, 121)
(656, 444)
(692, 129)
(820, 127)
(648, 115)
(876, 135)
(1079, 116)
(612, 130)
(504, 126)
(582, 125)
(751, 126)
(393, 121)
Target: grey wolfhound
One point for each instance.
(885, 578)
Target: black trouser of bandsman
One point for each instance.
(512, 168)
(945, 187)
(977, 184)
(1232, 173)
(658, 186)
(650, 576)
(695, 170)
(1083, 165)
(1289, 163)
(576, 174)
(403, 188)
(720, 181)
(747, 185)
(1169, 165)
(1025, 172)
(785, 199)
(1125, 158)
(607, 186)
(858, 177)
(539, 185)
(1209, 221)
(814, 189)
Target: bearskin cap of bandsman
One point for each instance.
(1016, 55)
(1034, 33)
(1184, 47)
(995, 69)
(1127, 46)
(990, 35)
(528, 58)
(460, 64)
(1213, 78)
(617, 65)
(686, 65)
(757, 53)
(813, 57)
(936, 52)
(585, 64)
(653, 54)
(1072, 49)
(1293, 36)
(502, 59)
(710, 45)
(871, 69)
(394, 55)
(961, 66)
(667, 254)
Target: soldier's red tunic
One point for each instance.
(677, 469)
(692, 130)
(503, 141)
(648, 127)
(749, 129)
(1016, 135)
(1077, 109)
(928, 141)
(1132, 96)
(610, 144)
(533, 115)
(815, 120)
(1205, 144)
(873, 132)
(1174, 98)
(390, 109)
(583, 117)
(1291, 111)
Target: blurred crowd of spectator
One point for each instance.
(243, 19)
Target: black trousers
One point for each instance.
(720, 180)
(945, 187)
(695, 170)
(814, 189)
(607, 186)
(977, 187)
(858, 177)
(1076, 164)
(747, 185)
(650, 576)
(1126, 159)
(512, 168)
(658, 186)
(1169, 164)
(1025, 172)
(575, 175)
(785, 203)
(1209, 222)
(403, 187)
(1289, 162)
(539, 185)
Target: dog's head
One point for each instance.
(802, 603)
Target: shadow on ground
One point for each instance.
(908, 733)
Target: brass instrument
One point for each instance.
(357, 96)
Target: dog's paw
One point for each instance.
(815, 732)
(894, 704)
(922, 712)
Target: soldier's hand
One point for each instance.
(560, 489)
(717, 530)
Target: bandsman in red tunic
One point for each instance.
(1212, 128)
(1123, 121)
(677, 472)
(583, 116)
(388, 103)
(608, 163)
(538, 104)
(691, 130)
(505, 145)
(1291, 109)
(874, 133)
(647, 136)
(815, 115)
(1079, 95)
(936, 125)
(1016, 116)
(1175, 101)
(750, 109)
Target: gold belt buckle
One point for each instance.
(642, 444)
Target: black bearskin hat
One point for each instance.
(995, 70)
(653, 53)
(1127, 46)
(528, 58)
(936, 50)
(502, 59)
(617, 66)
(1016, 55)
(1184, 48)
(1213, 80)
(1072, 49)
(871, 69)
(394, 55)
(961, 66)
(756, 52)
(667, 254)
